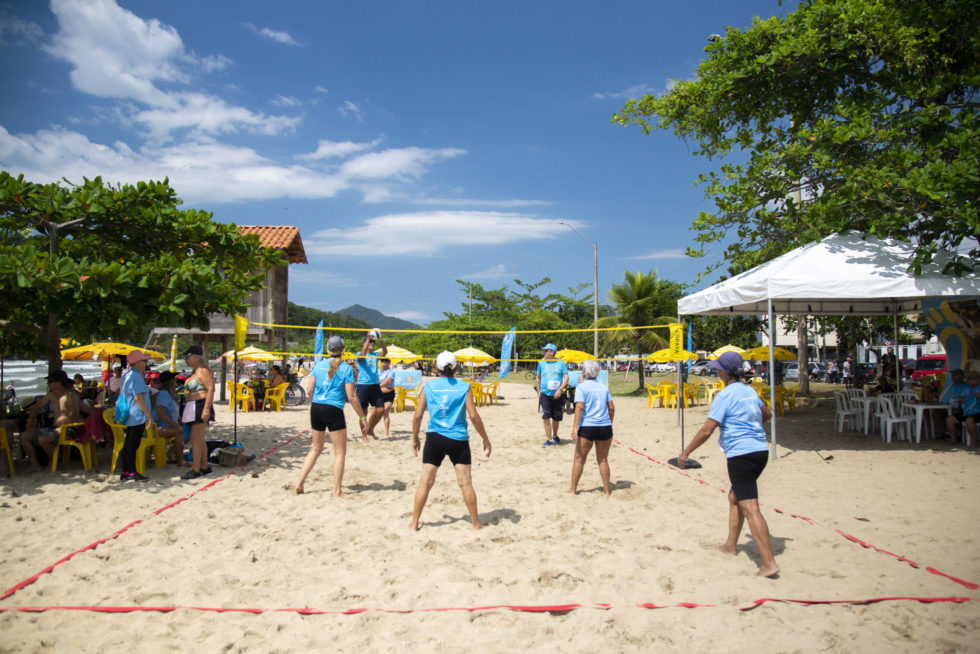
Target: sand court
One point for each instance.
(549, 572)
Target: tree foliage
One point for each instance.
(302, 340)
(867, 108)
(97, 261)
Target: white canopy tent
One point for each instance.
(843, 274)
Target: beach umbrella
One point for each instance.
(663, 356)
(173, 354)
(473, 355)
(401, 355)
(573, 356)
(105, 350)
(728, 348)
(761, 353)
(252, 353)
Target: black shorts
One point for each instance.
(369, 395)
(326, 417)
(551, 407)
(744, 471)
(388, 397)
(198, 413)
(957, 413)
(437, 447)
(596, 433)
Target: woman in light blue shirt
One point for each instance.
(740, 413)
(329, 385)
(594, 410)
(449, 402)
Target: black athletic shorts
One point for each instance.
(551, 407)
(437, 447)
(596, 432)
(369, 395)
(198, 413)
(326, 417)
(388, 397)
(743, 471)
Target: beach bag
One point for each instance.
(121, 412)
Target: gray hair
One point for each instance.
(590, 369)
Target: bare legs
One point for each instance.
(582, 448)
(738, 513)
(338, 439)
(465, 481)
(387, 418)
(46, 441)
(550, 428)
(373, 416)
(199, 447)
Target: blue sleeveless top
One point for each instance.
(445, 399)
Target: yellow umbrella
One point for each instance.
(663, 356)
(401, 355)
(473, 355)
(728, 348)
(573, 356)
(253, 354)
(761, 353)
(173, 354)
(105, 350)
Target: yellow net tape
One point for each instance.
(456, 331)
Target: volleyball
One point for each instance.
(374, 334)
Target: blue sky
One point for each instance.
(412, 143)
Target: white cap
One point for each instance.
(445, 358)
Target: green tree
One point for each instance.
(303, 339)
(641, 300)
(95, 261)
(845, 114)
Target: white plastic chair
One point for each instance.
(844, 411)
(856, 392)
(890, 419)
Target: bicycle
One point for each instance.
(295, 394)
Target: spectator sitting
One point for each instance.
(115, 383)
(163, 392)
(64, 403)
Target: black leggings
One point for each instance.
(127, 456)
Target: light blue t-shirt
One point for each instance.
(332, 391)
(953, 393)
(367, 369)
(445, 400)
(971, 405)
(164, 399)
(552, 372)
(737, 408)
(596, 399)
(133, 384)
(387, 374)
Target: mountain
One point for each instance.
(376, 319)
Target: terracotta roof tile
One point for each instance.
(283, 237)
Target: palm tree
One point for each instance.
(641, 300)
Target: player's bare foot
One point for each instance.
(477, 525)
(572, 491)
(414, 526)
(725, 549)
(768, 571)
(299, 490)
(341, 494)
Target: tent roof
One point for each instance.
(843, 274)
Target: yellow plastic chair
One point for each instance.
(412, 395)
(149, 443)
(477, 389)
(713, 388)
(789, 397)
(64, 446)
(489, 392)
(276, 396)
(653, 394)
(242, 395)
(6, 446)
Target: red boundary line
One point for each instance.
(521, 608)
(30, 580)
(853, 539)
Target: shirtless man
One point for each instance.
(64, 403)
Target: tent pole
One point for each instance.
(772, 379)
(898, 350)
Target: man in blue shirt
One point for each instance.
(964, 398)
(951, 395)
(552, 380)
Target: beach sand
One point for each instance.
(635, 571)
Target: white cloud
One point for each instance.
(396, 162)
(332, 149)
(14, 31)
(351, 109)
(635, 91)
(428, 233)
(286, 101)
(307, 276)
(661, 254)
(496, 271)
(320, 89)
(276, 35)
(116, 54)
(473, 202)
(411, 316)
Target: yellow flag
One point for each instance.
(676, 337)
(241, 327)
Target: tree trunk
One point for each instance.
(639, 365)
(52, 343)
(803, 358)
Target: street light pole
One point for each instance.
(595, 282)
